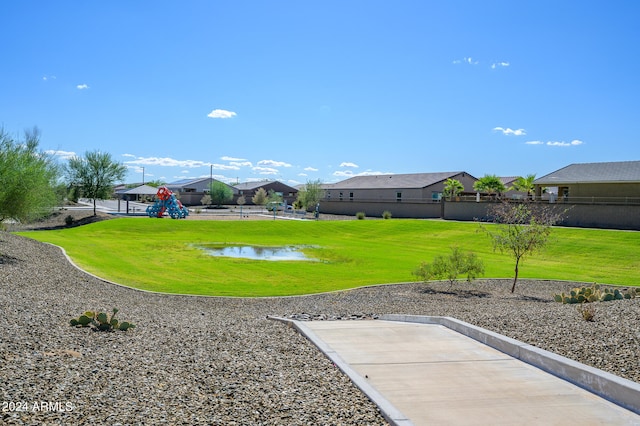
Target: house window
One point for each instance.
(340, 196)
(351, 196)
(436, 196)
(398, 196)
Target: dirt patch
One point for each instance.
(58, 220)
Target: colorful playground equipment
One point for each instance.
(166, 201)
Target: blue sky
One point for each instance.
(303, 90)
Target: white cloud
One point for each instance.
(303, 174)
(225, 167)
(465, 60)
(273, 163)
(349, 173)
(508, 131)
(227, 158)
(129, 155)
(499, 64)
(65, 155)
(241, 163)
(82, 86)
(347, 164)
(221, 113)
(574, 142)
(167, 162)
(310, 169)
(265, 170)
(49, 77)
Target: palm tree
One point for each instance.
(452, 188)
(525, 184)
(490, 184)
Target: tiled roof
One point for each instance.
(411, 180)
(611, 172)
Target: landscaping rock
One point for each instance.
(220, 361)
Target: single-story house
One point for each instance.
(249, 189)
(594, 183)
(404, 195)
(200, 185)
(411, 187)
(191, 191)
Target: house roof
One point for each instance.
(508, 180)
(611, 172)
(248, 186)
(140, 190)
(186, 182)
(391, 181)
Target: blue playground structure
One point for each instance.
(166, 201)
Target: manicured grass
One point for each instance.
(158, 254)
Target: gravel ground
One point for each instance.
(208, 360)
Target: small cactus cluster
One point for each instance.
(594, 293)
(101, 321)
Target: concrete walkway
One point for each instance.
(428, 374)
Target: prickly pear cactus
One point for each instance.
(101, 321)
(594, 294)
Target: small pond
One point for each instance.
(257, 252)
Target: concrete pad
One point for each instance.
(427, 374)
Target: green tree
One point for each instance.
(310, 195)
(490, 184)
(525, 184)
(156, 183)
(451, 267)
(521, 229)
(28, 178)
(260, 197)
(273, 198)
(452, 188)
(220, 193)
(94, 175)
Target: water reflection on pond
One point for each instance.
(257, 252)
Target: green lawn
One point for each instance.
(158, 254)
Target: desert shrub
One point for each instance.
(386, 214)
(451, 267)
(360, 215)
(198, 210)
(68, 220)
(588, 311)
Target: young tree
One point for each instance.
(452, 188)
(220, 193)
(451, 267)
(525, 184)
(310, 195)
(206, 200)
(273, 198)
(241, 202)
(521, 229)
(260, 197)
(94, 175)
(28, 178)
(490, 184)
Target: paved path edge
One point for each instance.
(615, 389)
(387, 410)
